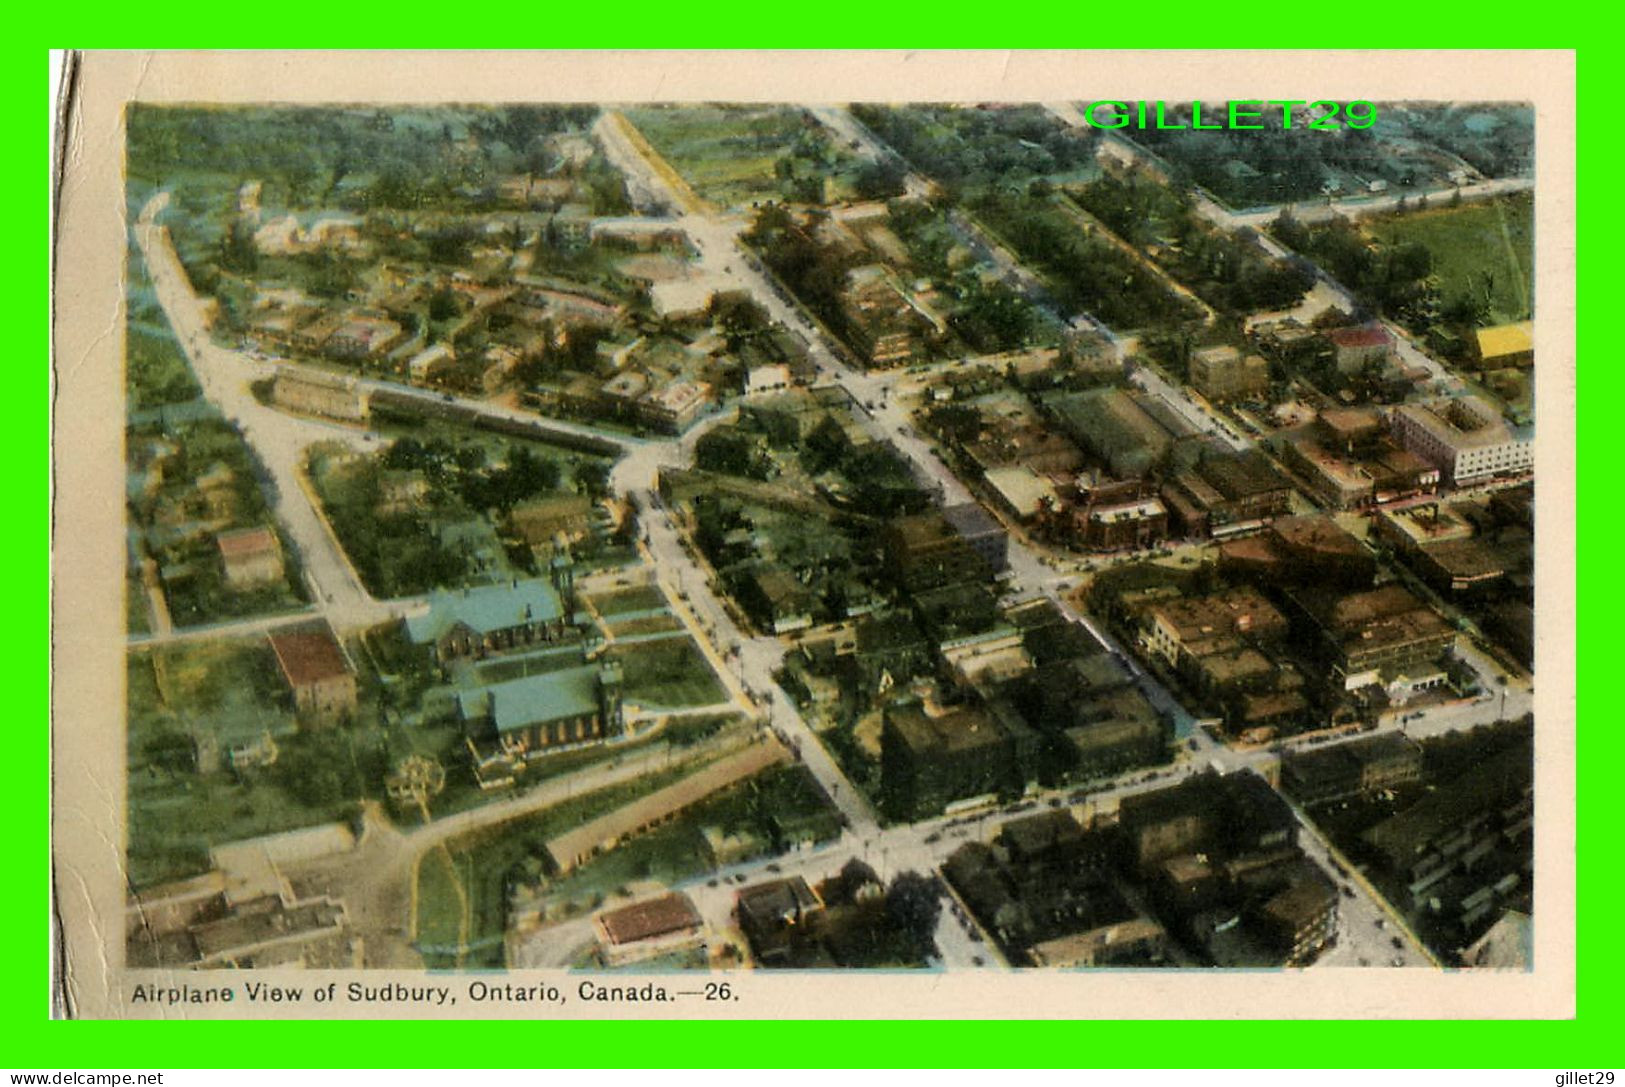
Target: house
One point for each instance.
(780, 603)
(250, 557)
(775, 914)
(488, 619)
(316, 669)
(1360, 347)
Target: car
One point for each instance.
(1397, 960)
(1399, 945)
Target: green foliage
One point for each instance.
(1088, 275)
(966, 147)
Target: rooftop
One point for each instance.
(486, 608)
(309, 653)
(650, 919)
(1504, 340)
(245, 543)
(529, 700)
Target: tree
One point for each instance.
(913, 906)
(592, 476)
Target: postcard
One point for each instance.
(804, 535)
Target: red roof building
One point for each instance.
(316, 669)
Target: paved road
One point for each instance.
(279, 440)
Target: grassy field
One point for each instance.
(669, 673)
(1481, 249)
(485, 867)
(622, 601)
(731, 154)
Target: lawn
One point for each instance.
(487, 865)
(223, 691)
(1481, 249)
(625, 601)
(669, 674)
(734, 155)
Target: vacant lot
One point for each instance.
(734, 155)
(1483, 251)
(668, 674)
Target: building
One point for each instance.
(778, 601)
(1358, 767)
(644, 930)
(1360, 348)
(1506, 345)
(1190, 628)
(1302, 919)
(542, 522)
(1443, 547)
(507, 723)
(1233, 814)
(1464, 438)
(1224, 493)
(1300, 551)
(487, 619)
(1378, 636)
(332, 396)
(250, 557)
(362, 337)
(984, 535)
(1138, 939)
(767, 378)
(316, 669)
(1351, 462)
(777, 915)
(886, 325)
(1022, 492)
(925, 550)
(1224, 374)
(933, 756)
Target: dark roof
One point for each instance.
(309, 653)
(647, 920)
(969, 519)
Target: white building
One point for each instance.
(1465, 438)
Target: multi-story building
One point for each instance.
(1350, 769)
(1193, 627)
(334, 396)
(1378, 636)
(1224, 373)
(930, 758)
(316, 669)
(1465, 438)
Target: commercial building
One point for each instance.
(931, 757)
(644, 930)
(1224, 374)
(1355, 768)
(1505, 345)
(1187, 629)
(777, 915)
(1300, 551)
(1464, 438)
(1377, 636)
(1224, 493)
(333, 396)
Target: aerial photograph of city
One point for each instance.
(923, 536)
